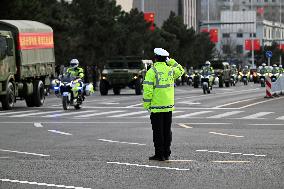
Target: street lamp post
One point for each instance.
(252, 40)
(142, 6)
(208, 14)
(280, 33)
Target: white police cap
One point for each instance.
(161, 52)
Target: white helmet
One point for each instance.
(207, 63)
(74, 63)
(263, 64)
(280, 66)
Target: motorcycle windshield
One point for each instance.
(67, 79)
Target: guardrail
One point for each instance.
(274, 88)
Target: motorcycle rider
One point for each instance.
(274, 69)
(75, 71)
(263, 70)
(281, 69)
(208, 70)
(234, 71)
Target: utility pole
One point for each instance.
(142, 6)
(280, 32)
(252, 39)
(208, 14)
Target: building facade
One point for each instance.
(236, 28)
(162, 9)
(266, 9)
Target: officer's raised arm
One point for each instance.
(178, 69)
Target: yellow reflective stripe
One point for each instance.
(164, 86)
(156, 75)
(146, 100)
(161, 107)
(148, 83)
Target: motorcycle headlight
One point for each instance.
(135, 77)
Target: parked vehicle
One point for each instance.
(27, 62)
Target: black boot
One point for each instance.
(158, 158)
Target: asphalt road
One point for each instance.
(232, 138)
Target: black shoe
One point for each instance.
(158, 158)
(167, 157)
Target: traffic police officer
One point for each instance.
(158, 98)
(75, 71)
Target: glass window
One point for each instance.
(134, 65)
(239, 35)
(226, 35)
(3, 47)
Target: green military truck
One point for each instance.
(27, 62)
(121, 72)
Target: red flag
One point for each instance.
(256, 45)
(214, 35)
(150, 17)
(260, 10)
(281, 47)
(204, 30)
(248, 44)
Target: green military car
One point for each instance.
(27, 62)
(121, 72)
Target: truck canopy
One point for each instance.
(33, 41)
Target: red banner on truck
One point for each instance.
(29, 41)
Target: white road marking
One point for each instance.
(230, 161)
(192, 114)
(59, 132)
(37, 113)
(184, 126)
(236, 102)
(220, 152)
(225, 114)
(38, 124)
(134, 105)
(17, 112)
(179, 160)
(188, 102)
(270, 124)
(100, 113)
(41, 184)
(28, 153)
(260, 102)
(280, 118)
(257, 115)
(223, 134)
(128, 114)
(68, 113)
(109, 103)
(113, 141)
(149, 166)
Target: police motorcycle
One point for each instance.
(206, 82)
(274, 74)
(233, 79)
(262, 75)
(196, 79)
(66, 86)
(189, 79)
(244, 76)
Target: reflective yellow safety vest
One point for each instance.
(158, 86)
(76, 72)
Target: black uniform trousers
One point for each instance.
(162, 134)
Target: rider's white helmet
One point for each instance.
(274, 65)
(280, 66)
(207, 63)
(74, 63)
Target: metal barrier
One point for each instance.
(274, 88)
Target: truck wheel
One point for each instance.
(138, 87)
(38, 95)
(116, 91)
(29, 101)
(8, 100)
(227, 84)
(103, 88)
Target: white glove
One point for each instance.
(167, 60)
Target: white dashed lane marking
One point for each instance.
(225, 114)
(100, 113)
(69, 113)
(114, 141)
(149, 166)
(257, 115)
(223, 134)
(192, 114)
(37, 113)
(59, 132)
(27, 153)
(235, 153)
(41, 184)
